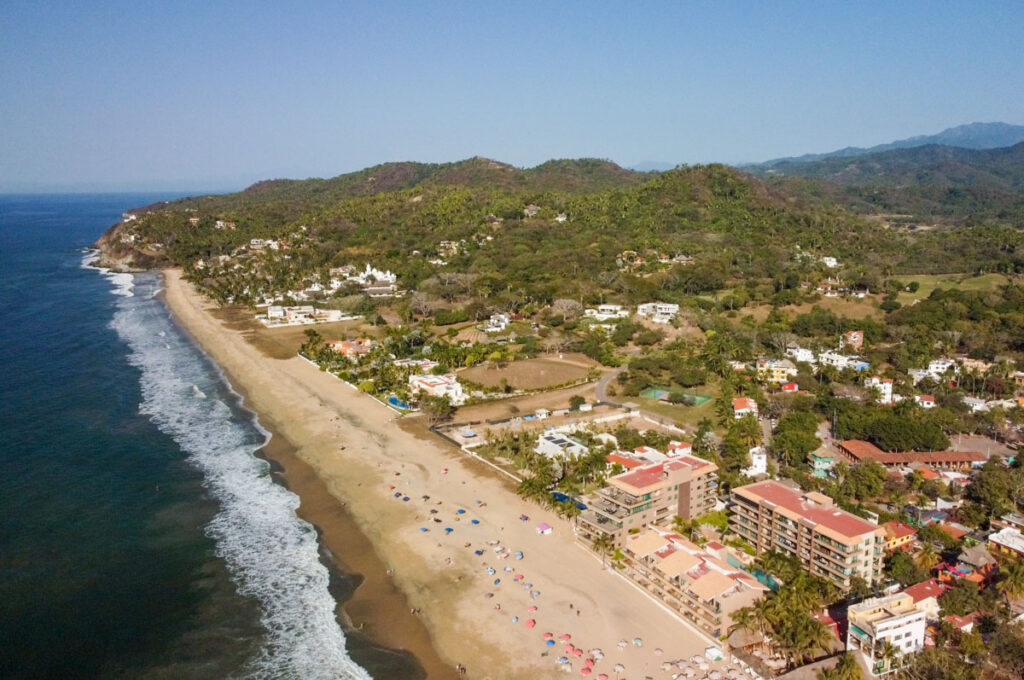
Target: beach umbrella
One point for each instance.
(530, 623)
(565, 637)
(638, 642)
(461, 511)
(548, 636)
(532, 608)
(475, 521)
(568, 649)
(563, 659)
(424, 529)
(391, 487)
(448, 530)
(497, 581)
(585, 671)
(619, 668)
(515, 619)
(658, 651)
(622, 644)
(603, 676)
(589, 663)
(405, 499)
(578, 652)
(550, 643)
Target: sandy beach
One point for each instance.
(428, 509)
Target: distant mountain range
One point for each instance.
(971, 136)
(931, 183)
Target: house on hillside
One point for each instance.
(606, 312)
(884, 387)
(744, 406)
(658, 312)
(854, 339)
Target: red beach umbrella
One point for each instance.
(565, 637)
(585, 671)
(548, 636)
(531, 623)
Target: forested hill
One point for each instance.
(564, 229)
(571, 176)
(926, 183)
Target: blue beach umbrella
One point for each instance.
(497, 581)
(550, 643)
(424, 529)
(475, 521)
(448, 530)
(461, 511)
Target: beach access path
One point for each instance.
(390, 482)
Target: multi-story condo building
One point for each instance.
(695, 581)
(831, 543)
(880, 621)
(649, 494)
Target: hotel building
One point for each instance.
(650, 494)
(831, 543)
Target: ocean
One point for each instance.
(141, 535)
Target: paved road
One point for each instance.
(601, 390)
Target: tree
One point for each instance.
(575, 402)
(902, 567)
(604, 544)
(437, 408)
(1011, 580)
(846, 669)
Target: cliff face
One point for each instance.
(120, 252)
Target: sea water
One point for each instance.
(140, 535)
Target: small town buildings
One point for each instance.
(649, 494)
(926, 596)
(776, 370)
(828, 542)
(975, 404)
(938, 368)
(899, 536)
(1007, 541)
(691, 580)
(880, 621)
(852, 339)
(352, 348)
(194, 220)
(789, 387)
(924, 400)
(830, 262)
(298, 315)
(821, 462)
(606, 312)
(857, 451)
(420, 365)
(842, 361)
(497, 323)
(658, 312)
(758, 462)
(744, 406)
(884, 387)
(438, 386)
(801, 355)
(558, 445)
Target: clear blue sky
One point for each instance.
(208, 95)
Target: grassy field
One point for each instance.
(929, 282)
(529, 374)
(852, 308)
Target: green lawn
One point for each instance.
(930, 282)
(685, 416)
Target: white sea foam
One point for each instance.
(271, 553)
(124, 283)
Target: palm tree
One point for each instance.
(846, 669)
(927, 557)
(889, 655)
(603, 545)
(1011, 581)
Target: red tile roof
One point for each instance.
(627, 463)
(743, 403)
(952, 531)
(840, 521)
(930, 588)
(898, 529)
(862, 451)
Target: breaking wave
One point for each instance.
(271, 553)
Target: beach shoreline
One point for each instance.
(431, 516)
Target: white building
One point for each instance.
(976, 404)
(758, 462)
(606, 312)
(744, 406)
(497, 323)
(924, 400)
(893, 619)
(558, 445)
(937, 368)
(659, 312)
(830, 358)
(884, 387)
(438, 386)
(830, 262)
(799, 354)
